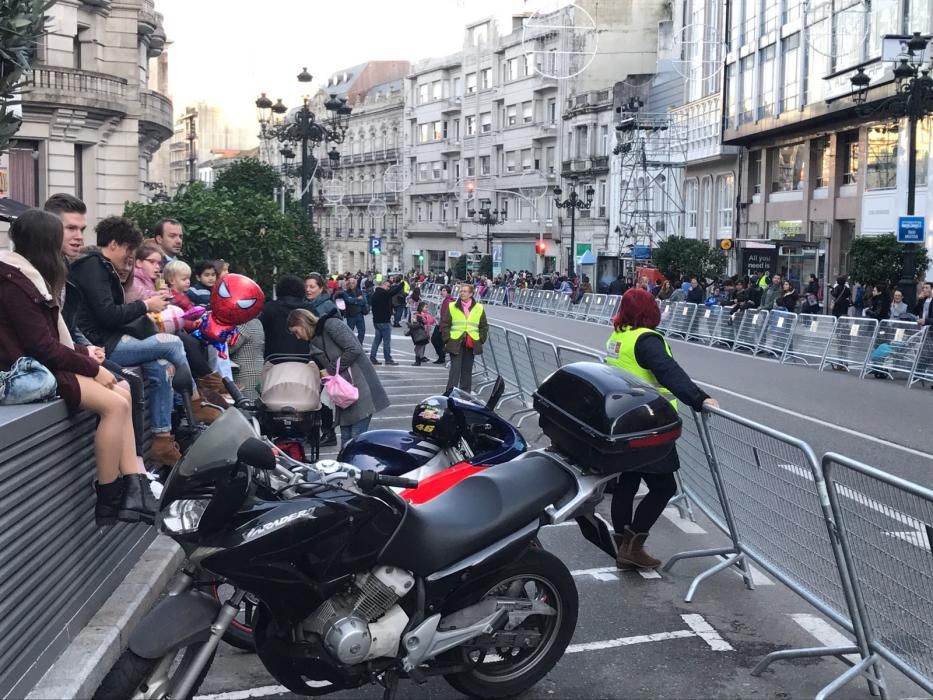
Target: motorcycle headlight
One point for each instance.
(183, 517)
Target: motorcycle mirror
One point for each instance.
(256, 453)
(497, 390)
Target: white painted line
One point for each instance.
(771, 406)
(705, 631)
(261, 692)
(824, 632)
(648, 574)
(605, 573)
(629, 641)
(688, 526)
(758, 577)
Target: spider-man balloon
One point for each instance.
(235, 300)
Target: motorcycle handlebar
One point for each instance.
(239, 400)
(369, 480)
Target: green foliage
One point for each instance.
(485, 266)
(22, 22)
(246, 228)
(678, 257)
(877, 260)
(460, 268)
(249, 174)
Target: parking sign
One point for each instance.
(910, 229)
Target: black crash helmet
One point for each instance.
(436, 421)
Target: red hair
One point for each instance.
(637, 310)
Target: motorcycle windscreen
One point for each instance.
(216, 447)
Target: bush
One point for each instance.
(678, 257)
(460, 268)
(22, 22)
(485, 266)
(248, 174)
(875, 260)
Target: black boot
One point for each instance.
(108, 502)
(328, 439)
(138, 504)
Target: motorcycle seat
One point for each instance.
(475, 513)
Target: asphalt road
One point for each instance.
(635, 638)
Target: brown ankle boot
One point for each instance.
(164, 450)
(211, 386)
(204, 412)
(631, 550)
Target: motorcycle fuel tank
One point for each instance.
(393, 452)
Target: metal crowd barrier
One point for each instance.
(777, 335)
(851, 344)
(895, 349)
(923, 371)
(667, 313)
(811, 337)
(885, 528)
(681, 321)
(751, 328)
(705, 323)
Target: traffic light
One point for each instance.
(540, 247)
(470, 186)
(420, 258)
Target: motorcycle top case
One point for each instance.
(605, 420)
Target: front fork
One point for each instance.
(228, 611)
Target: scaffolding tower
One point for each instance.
(653, 152)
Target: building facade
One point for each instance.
(95, 109)
(818, 170)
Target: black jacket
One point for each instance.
(617, 287)
(95, 301)
(382, 301)
(842, 299)
(879, 308)
(696, 295)
(274, 319)
(355, 301)
(918, 312)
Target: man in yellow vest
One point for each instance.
(464, 330)
(638, 349)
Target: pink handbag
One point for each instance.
(341, 392)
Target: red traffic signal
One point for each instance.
(540, 247)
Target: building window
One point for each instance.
(526, 159)
(726, 193)
(470, 167)
(439, 130)
(549, 158)
(924, 132)
(479, 35)
(690, 203)
(485, 122)
(424, 135)
(817, 58)
(457, 87)
(769, 22)
(787, 163)
(848, 146)
(419, 212)
(423, 93)
(511, 69)
(552, 111)
(423, 172)
(791, 48)
(747, 71)
(881, 166)
(436, 170)
(581, 137)
(604, 139)
(79, 171)
(484, 168)
(511, 115)
(529, 64)
(470, 83)
(527, 112)
(730, 96)
(511, 161)
(751, 20)
(436, 90)
(822, 157)
(766, 83)
(601, 200)
(486, 78)
(470, 125)
(707, 207)
(848, 37)
(791, 10)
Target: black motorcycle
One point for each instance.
(356, 587)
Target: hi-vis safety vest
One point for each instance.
(460, 324)
(406, 287)
(620, 352)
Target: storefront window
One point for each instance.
(787, 164)
(848, 148)
(881, 167)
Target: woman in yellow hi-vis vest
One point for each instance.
(464, 330)
(638, 349)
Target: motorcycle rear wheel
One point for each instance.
(131, 677)
(540, 576)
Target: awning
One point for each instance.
(587, 258)
(10, 209)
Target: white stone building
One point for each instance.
(95, 110)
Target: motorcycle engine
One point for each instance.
(363, 621)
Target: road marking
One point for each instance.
(705, 631)
(759, 402)
(824, 632)
(688, 526)
(629, 641)
(261, 692)
(605, 573)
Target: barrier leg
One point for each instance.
(808, 653)
(696, 554)
(867, 667)
(524, 413)
(746, 571)
(684, 508)
(732, 560)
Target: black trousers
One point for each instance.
(196, 352)
(461, 370)
(138, 401)
(437, 340)
(661, 488)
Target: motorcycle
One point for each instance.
(357, 586)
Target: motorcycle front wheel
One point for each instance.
(507, 670)
(240, 632)
(135, 678)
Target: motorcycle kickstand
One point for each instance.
(390, 683)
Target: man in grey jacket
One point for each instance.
(772, 294)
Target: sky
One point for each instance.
(226, 52)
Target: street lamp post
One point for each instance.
(572, 204)
(913, 100)
(305, 131)
(487, 218)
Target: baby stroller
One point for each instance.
(289, 405)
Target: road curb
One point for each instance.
(83, 665)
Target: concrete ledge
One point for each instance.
(92, 653)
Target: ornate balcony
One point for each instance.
(157, 117)
(71, 87)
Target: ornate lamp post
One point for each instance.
(572, 204)
(913, 101)
(487, 218)
(302, 128)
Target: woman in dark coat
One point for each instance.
(332, 340)
(31, 283)
(635, 347)
(842, 297)
(788, 299)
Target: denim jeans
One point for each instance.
(27, 381)
(154, 354)
(358, 323)
(348, 432)
(383, 335)
(399, 314)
